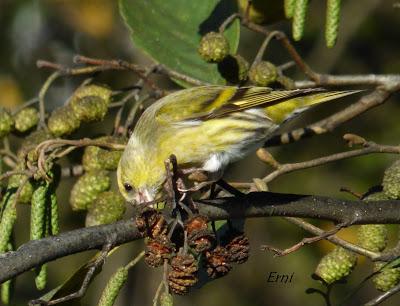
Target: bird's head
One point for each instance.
(140, 177)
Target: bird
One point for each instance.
(206, 128)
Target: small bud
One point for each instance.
(90, 102)
(263, 73)
(391, 181)
(214, 47)
(108, 207)
(63, 121)
(26, 119)
(87, 188)
(6, 122)
(387, 278)
(336, 265)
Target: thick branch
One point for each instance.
(257, 204)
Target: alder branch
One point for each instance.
(369, 148)
(256, 204)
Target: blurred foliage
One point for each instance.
(56, 30)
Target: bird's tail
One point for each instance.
(290, 108)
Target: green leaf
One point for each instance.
(170, 32)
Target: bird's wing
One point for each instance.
(211, 102)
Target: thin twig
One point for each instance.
(135, 260)
(334, 239)
(369, 149)
(86, 281)
(384, 296)
(24, 105)
(42, 93)
(304, 241)
(157, 294)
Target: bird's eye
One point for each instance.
(128, 187)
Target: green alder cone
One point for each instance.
(391, 181)
(6, 287)
(34, 138)
(87, 188)
(97, 158)
(30, 142)
(63, 121)
(108, 207)
(332, 22)
(113, 287)
(26, 119)
(373, 237)
(90, 102)
(26, 193)
(166, 299)
(8, 219)
(299, 19)
(41, 277)
(263, 73)
(387, 278)
(336, 265)
(213, 47)
(38, 210)
(54, 222)
(6, 122)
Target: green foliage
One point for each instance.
(170, 32)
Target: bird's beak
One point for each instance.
(143, 196)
